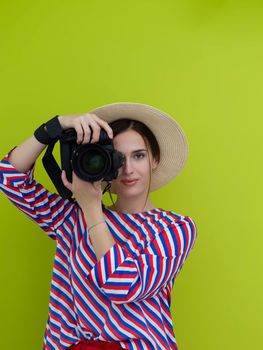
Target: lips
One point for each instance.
(129, 182)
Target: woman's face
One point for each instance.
(134, 176)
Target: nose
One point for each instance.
(127, 166)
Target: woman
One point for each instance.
(114, 266)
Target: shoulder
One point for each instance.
(169, 218)
(179, 226)
(184, 222)
(179, 231)
(160, 223)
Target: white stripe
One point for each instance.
(59, 312)
(62, 302)
(92, 296)
(50, 339)
(147, 335)
(63, 331)
(60, 287)
(161, 330)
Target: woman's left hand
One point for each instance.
(87, 194)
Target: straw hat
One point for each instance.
(170, 137)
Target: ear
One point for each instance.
(154, 164)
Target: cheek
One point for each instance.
(148, 165)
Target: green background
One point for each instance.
(201, 62)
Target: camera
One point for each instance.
(91, 162)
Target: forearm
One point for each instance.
(25, 155)
(101, 238)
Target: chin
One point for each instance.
(130, 192)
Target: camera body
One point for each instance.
(90, 162)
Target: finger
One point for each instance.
(95, 131)
(80, 132)
(86, 121)
(87, 132)
(103, 124)
(87, 135)
(65, 181)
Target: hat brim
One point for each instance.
(170, 136)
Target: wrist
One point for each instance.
(102, 222)
(48, 132)
(92, 214)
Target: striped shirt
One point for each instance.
(125, 296)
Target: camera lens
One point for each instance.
(92, 162)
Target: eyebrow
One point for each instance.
(139, 150)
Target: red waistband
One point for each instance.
(96, 345)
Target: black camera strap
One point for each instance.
(54, 171)
(108, 186)
(49, 131)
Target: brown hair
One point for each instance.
(121, 125)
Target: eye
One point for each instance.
(139, 155)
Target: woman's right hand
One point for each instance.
(85, 125)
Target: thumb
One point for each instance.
(65, 180)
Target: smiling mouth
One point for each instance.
(129, 182)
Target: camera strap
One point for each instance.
(54, 171)
(48, 132)
(108, 186)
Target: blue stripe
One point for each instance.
(60, 306)
(59, 265)
(58, 316)
(86, 305)
(61, 280)
(65, 296)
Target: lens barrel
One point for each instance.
(91, 162)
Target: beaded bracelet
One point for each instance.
(98, 223)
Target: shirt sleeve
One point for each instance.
(47, 209)
(125, 278)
